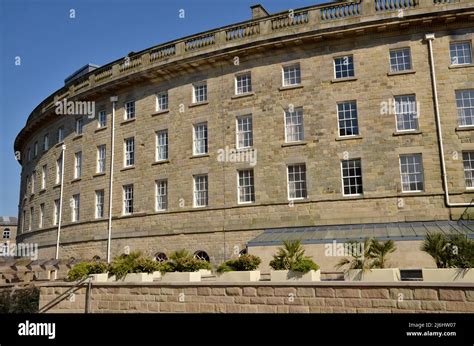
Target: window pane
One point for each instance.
(347, 114)
(411, 168)
(352, 177)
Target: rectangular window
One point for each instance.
(200, 139)
(35, 149)
(246, 187)
(294, 130)
(400, 60)
(162, 145)
(101, 153)
(199, 92)
(32, 213)
(347, 116)
(130, 110)
(45, 142)
(77, 165)
(24, 221)
(99, 204)
(33, 181)
(56, 212)
(75, 207)
(465, 107)
(411, 169)
(344, 67)
(351, 177)
(101, 119)
(128, 199)
(406, 113)
(6, 234)
(461, 53)
(244, 131)
(243, 83)
(291, 75)
(162, 101)
(29, 154)
(129, 159)
(468, 160)
(27, 185)
(41, 219)
(200, 190)
(79, 126)
(60, 134)
(297, 182)
(161, 195)
(59, 169)
(44, 174)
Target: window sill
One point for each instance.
(197, 104)
(410, 193)
(397, 73)
(239, 96)
(465, 128)
(98, 174)
(100, 129)
(418, 132)
(198, 156)
(460, 66)
(299, 200)
(76, 137)
(59, 144)
(359, 196)
(290, 87)
(294, 144)
(164, 111)
(56, 186)
(75, 180)
(127, 168)
(128, 121)
(347, 138)
(160, 162)
(346, 79)
(126, 216)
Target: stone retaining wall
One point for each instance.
(266, 297)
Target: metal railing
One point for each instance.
(66, 294)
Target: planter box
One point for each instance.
(448, 275)
(205, 272)
(156, 275)
(253, 275)
(134, 277)
(100, 277)
(289, 275)
(182, 277)
(373, 275)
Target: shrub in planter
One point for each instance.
(132, 263)
(84, 269)
(182, 266)
(245, 262)
(20, 300)
(452, 251)
(291, 257)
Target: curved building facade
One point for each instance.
(325, 123)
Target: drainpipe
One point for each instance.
(430, 38)
(63, 148)
(113, 99)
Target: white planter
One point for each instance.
(289, 275)
(373, 275)
(100, 277)
(156, 275)
(205, 272)
(181, 277)
(448, 275)
(137, 277)
(243, 276)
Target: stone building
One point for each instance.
(327, 123)
(8, 229)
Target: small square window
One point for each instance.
(291, 75)
(243, 83)
(461, 53)
(162, 101)
(400, 60)
(344, 67)
(199, 92)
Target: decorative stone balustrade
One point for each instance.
(242, 31)
(199, 42)
(343, 10)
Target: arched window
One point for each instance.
(202, 255)
(6, 233)
(161, 257)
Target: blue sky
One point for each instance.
(52, 45)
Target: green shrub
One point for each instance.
(291, 257)
(452, 251)
(132, 263)
(23, 300)
(84, 269)
(183, 261)
(245, 262)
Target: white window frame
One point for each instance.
(129, 110)
(162, 148)
(245, 79)
(99, 204)
(59, 167)
(161, 195)
(197, 193)
(353, 66)
(101, 158)
(46, 142)
(402, 174)
(461, 111)
(456, 61)
(196, 87)
(299, 127)
(241, 188)
(75, 209)
(33, 181)
(32, 213)
(78, 165)
(244, 135)
(60, 134)
(101, 119)
(197, 141)
(6, 233)
(288, 189)
(403, 114)
(394, 68)
(44, 176)
(129, 152)
(128, 192)
(41, 218)
(294, 73)
(468, 172)
(352, 176)
(79, 126)
(162, 101)
(338, 119)
(56, 212)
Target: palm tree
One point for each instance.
(292, 252)
(180, 254)
(359, 259)
(379, 251)
(435, 244)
